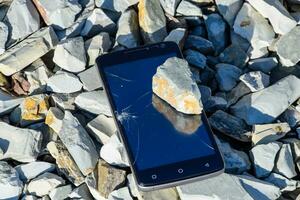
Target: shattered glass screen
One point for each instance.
(157, 134)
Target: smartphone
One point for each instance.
(165, 148)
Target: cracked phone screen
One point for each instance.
(156, 133)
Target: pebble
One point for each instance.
(285, 162)
(3, 36)
(170, 6)
(227, 76)
(115, 5)
(200, 44)
(60, 193)
(205, 93)
(258, 52)
(64, 101)
(282, 182)
(229, 9)
(255, 80)
(234, 55)
(8, 102)
(178, 36)
(90, 79)
(121, 193)
(70, 55)
(187, 8)
(195, 58)
(263, 64)
(64, 82)
(292, 116)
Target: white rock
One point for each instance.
(177, 35)
(122, 193)
(90, 79)
(3, 36)
(24, 53)
(229, 9)
(64, 101)
(10, 185)
(60, 193)
(285, 162)
(255, 80)
(81, 192)
(64, 82)
(70, 55)
(44, 184)
(274, 11)
(170, 6)
(115, 5)
(29, 197)
(23, 145)
(255, 52)
(187, 8)
(282, 182)
(8, 102)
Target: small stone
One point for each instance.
(266, 133)
(287, 47)
(187, 8)
(276, 13)
(3, 36)
(115, 5)
(254, 109)
(20, 85)
(33, 169)
(227, 76)
(229, 9)
(90, 79)
(170, 6)
(22, 19)
(258, 52)
(27, 51)
(216, 30)
(195, 58)
(63, 101)
(128, 29)
(44, 184)
(236, 93)
(238, 40)
(64, 82)
(152, 21)
(59, 14)
(215, 103)
(285, 162)
(205, 93)
(81, 192)
(263, 64)
(229, 125)
(60, 193)
(178, 36)
(263, 158)
(255, 80)
(10, 185)
(70, 55)
(291, 116)
(173, 82)
(23, 145)
(282, 182)
(200, 44)
(122, 193)
(234, 55)
(98, 22)
(114, 152)
(8, 102)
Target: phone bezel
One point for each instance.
(167, 175)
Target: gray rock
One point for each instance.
(64, 82)
(287, 47)
(33, 169)
(3, 36)
(152, 21)
(10, 185)
(291, 116)
(128, 29)
(229, 125)
(70, 55)
(234, 55)
(60, 193)
(216, 31)
(24, 53)
(122, 193)
(277, 16)
(170, 6)
(174, 76)
(24, 145)
(255, 52)
(215, 103)
(253, 108)
(178, 36)
(195, 58)
(115, 5)
(205, 93)
(63, 101)
(227, 76)
(238, 40)
(58, 13)
(200, 44)
(81, 192)
(187, 8)
(285, 162)
(22, 19)
(266, 133)
(44, 184)
(255, 80)
(29, 197)
(236, 93)
(229, 9)
(263, 64)
(263, 158)
(8, 102)
(90, 79)
(98, 22)
(75, 138)
(282, 182)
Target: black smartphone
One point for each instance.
(165, 148)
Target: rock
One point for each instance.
(29, 197)
(10, 185)
(200, 44)
(90, 79)
(291, 116)
(236, 93)
(266, 133)
(187, 8)
(199, 31)
(229, 125)
(173, 82)
(114, 152)
(59, 14)
(253, 108)
(152, 21)
(234, 55)
(283, 183)
(65, 162)
(27, 51)
(258, 52)
(102, 128)
(98, 22)
(31, 170)
(255, 80)
(95, 102)
(22, 19)
(281, 72)
(229, 9)
(3, 36)
(128, 29)
(115, 5)
(205, 93)
(64, 101)
(215, 103)
(23, 145)
(287, 47)
(60, 193)
(263, 64)
(227, 76)
(263, 158)
(195, 58)
(285, 162)
(96, 46)
(122, 193)
(178, 36)
(20, 85)
(216, 30)
(8, 102)
(81, 192)
(70, 55)
(276, 13)
(238, 40)
(64, 82)
(44, 184)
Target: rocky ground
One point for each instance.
(57, 136)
